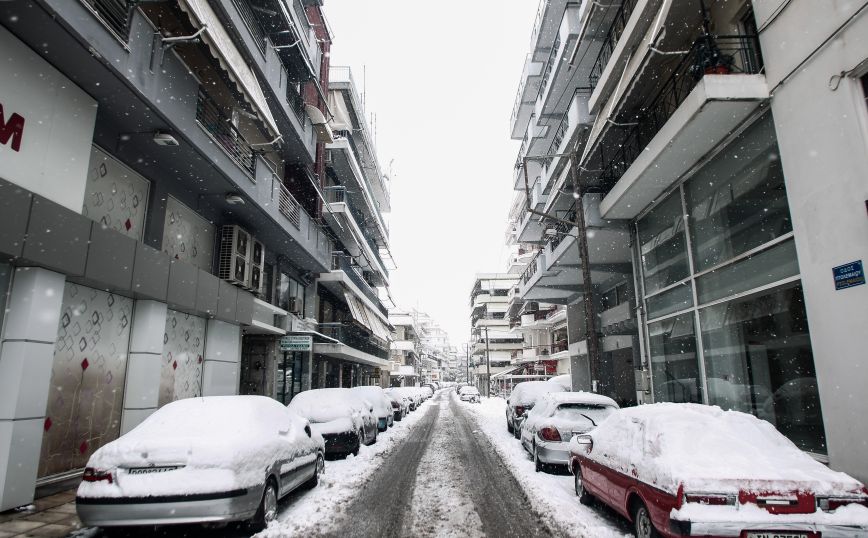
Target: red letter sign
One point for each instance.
(14, 129)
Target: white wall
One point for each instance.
(822, 126)
(59, 118)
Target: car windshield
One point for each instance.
(583, 412)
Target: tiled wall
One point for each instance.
(187, 236)
(183, 355)
(115, 196)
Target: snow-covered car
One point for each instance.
(201, 460)
(381, 403)
(400, 405)
(406, 399)
(564, 380)
(469, 394)
(427, 391)
(344, 419)
(413, 394)
(522, 399)
(557, 416)
(696, 470)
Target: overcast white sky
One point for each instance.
(441, 79)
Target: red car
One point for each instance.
(694, 470)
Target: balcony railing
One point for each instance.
(115, 14)
(550, 66)
(342, 262)
(709, 55)
(357, 338)
(531, 268)
(295, 101)
(561, 229)
(611, 40)
(219, 127)
(289, 206)
(251, 22)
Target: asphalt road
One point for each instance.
(445, 480)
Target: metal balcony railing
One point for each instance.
(252, 23)
(342, 262)
(611, 40)
(531, 268)
(338, 194)
(357, 338)
(219, 127)
(708, 55)
(550, 65)
(115, 14)
(289, 206)
(295, 101)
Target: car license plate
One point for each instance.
(773, 534)
(150, 470)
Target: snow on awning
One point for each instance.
(223, 49)
(368, 319)
(338, 105)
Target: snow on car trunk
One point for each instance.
(527, 393)
(708, 449)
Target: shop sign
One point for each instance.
(296, 343)
(848, 275)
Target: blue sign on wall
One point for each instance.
(848, 275)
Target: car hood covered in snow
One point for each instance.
(708, 449)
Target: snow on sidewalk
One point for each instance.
(315, 511)
(551, 495)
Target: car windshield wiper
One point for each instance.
(589, 418)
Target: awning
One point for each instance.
(338, 105)
(368, 319)
(221, 47)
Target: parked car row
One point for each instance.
(674, 469)
(220, 459)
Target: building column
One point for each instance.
(142, 388)
(26, 358)
(222, 359)
(307, 370)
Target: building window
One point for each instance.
(290, 290)
(864, 80)
(727, 323)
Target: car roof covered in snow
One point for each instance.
(325, 405)
(528, 392)
(581, 397)
(564, 380)
(708, 449)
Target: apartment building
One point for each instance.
(493, 346)
(420, 350)
(718, 182)
(163, 169)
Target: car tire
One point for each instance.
(643, 527)
(267, 511)
(376, 434)
(516, 432)
(584, 497)
(319, 469)
(509, 427)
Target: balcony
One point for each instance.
(219, 127)
(353, 272)
(709, 94)
(525, 97)
(344, 219)
(610, 40)
(559, 77)
(346, 341)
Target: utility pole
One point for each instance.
(487, 365)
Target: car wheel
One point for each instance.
(583, 495)
(318, 470)
(642, 524)
(267, 511)
(376, 433)
(516, 432)
(509, 427)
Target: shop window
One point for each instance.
(663, 245)
(738, 202)
(674, 364)
(758, 360)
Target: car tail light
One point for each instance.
(709, 499)
(829, 504)
(519, 410)
(96, 475)
(550, 434)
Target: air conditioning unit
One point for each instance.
(257, 262)
(234, 255)
(294, 305)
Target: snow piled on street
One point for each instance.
(551, 495)
(441, 506)
(314, 512)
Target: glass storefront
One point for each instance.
(726, 315)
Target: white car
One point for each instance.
(469, 394)
(201, 460)
(381, 403)
(522, 399)
(556, 418)
(344, 419)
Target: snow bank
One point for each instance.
(708, 449)
(221, 443)
(552, 496)
(528, 392)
